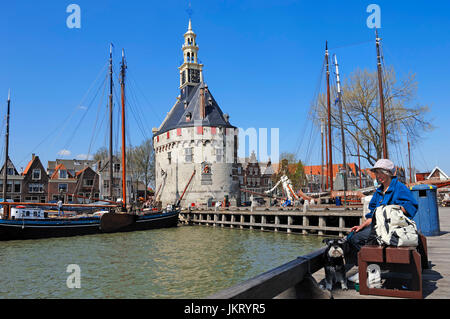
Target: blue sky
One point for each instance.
(262, 64)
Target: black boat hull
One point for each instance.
(18, 230)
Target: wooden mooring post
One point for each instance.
(317, 220)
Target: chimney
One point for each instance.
(33, 156)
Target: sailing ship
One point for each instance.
(32, 221)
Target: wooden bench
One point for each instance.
(403, 259)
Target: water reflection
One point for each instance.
(182, 262)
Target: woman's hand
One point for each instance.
(356, 228)
(362, 226)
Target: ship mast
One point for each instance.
(380, 91)
(111, 176)
(339, 92)
(124, 149)
(330, 151)
(5, 168)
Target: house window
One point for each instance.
(116, 168)
(8, 187)
(188, 154)
(33, 199)
(35, 188)
(62, 188)
(88, 182)
(10, 171)
(169, 157)
(17, 187)
(63, 174)
(36, 174)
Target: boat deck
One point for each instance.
(436, 280)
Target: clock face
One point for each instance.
(194, 76)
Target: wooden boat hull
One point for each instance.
(34, 229)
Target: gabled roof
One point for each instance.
(10, 165)
(176, 118)
(73, 164)
(84, 170)
(439, 170)
(30, 163)
(59, 167)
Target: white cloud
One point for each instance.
(64, 153)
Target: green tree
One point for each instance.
(297, 175)
(142, 163)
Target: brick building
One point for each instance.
(35, 182)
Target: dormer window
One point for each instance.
(188, 117)
(62, 174)
(36, 175)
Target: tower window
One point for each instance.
(219, 155)
(188, 154)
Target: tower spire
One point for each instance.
(191, 69)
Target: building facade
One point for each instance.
(254, 177)
(35, 182)
(195, 141)
(15, 181)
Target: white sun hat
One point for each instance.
(384, 164)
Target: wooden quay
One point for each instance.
(318, 219)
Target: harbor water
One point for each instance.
(181, 262)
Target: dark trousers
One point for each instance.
(355, 242)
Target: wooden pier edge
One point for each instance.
(317, 220)
(276, 281)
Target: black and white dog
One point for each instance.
(334, 263)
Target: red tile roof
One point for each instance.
(30, 163)
(317, 169)
(59, 167)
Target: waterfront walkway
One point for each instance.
(436, 280)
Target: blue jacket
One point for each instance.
(397, 194)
